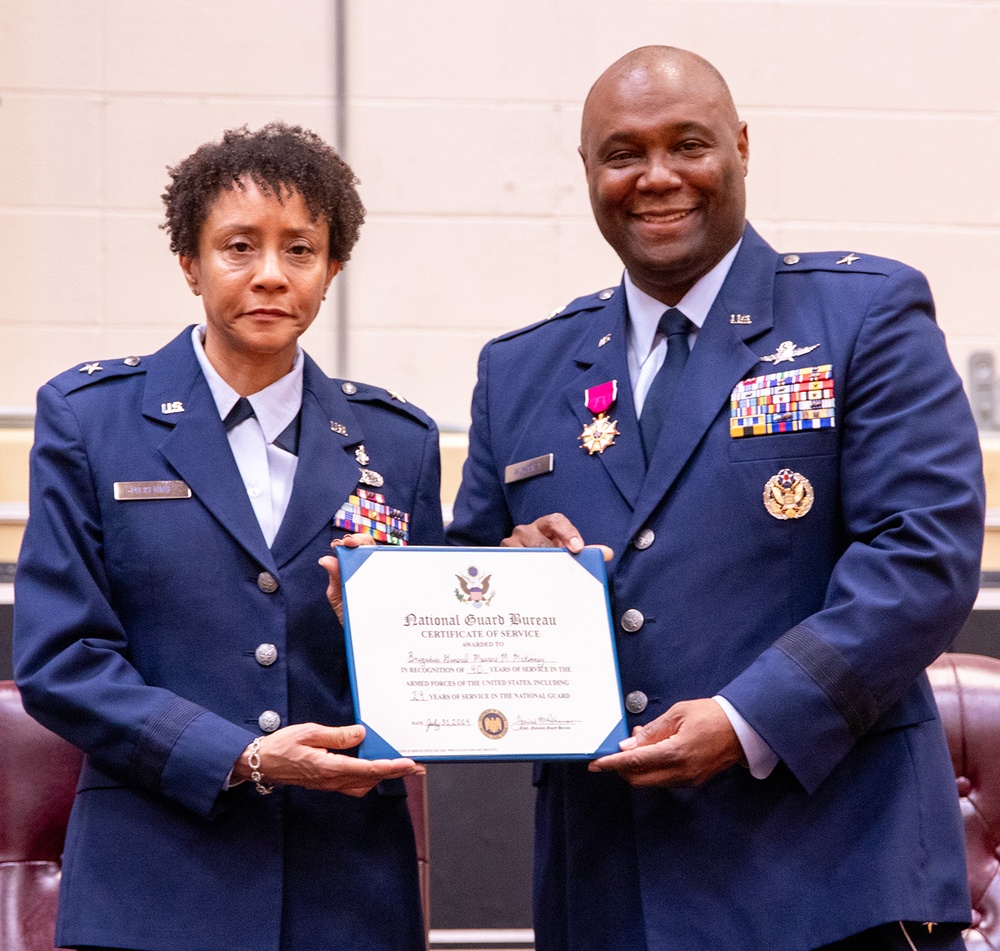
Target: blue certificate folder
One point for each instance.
(422, 631)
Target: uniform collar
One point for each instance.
(644, 312)
(275, 406)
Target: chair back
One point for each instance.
(967, 690)
(38, 774)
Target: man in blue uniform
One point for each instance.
(780, 455)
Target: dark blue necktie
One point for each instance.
(288, 439)
(675, 327)
(239, 413)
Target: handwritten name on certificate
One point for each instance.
(481, 653)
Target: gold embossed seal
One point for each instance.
(788, 495)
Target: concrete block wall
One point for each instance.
(874, 126)
(97, 98)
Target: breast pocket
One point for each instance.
(802, 445)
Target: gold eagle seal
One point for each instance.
(788, 494)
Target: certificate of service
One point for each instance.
(481, 653)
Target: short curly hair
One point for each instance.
(277, 158)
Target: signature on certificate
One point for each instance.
(542, 723)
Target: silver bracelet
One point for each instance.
(253, 761)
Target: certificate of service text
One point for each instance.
(481, 653)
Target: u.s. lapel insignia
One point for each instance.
(740, 319)
(91, 368)
(168, 408)
(787, 352)
(598, 435)
(339, 428)
(788, 495)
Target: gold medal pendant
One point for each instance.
(788, 495)
(599, 434)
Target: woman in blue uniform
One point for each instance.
(172, 619)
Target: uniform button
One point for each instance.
(636, 701)
(349, 388)
(607, 294)
(644, 539)
(269, 721)
(266, 654)
(267, 582)
(632, 620)
(791, 259)
(132, 361)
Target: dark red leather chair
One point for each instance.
(967, 690)
(38, 772)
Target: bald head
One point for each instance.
(665, 154)
(643, 66)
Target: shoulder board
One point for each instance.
(365, 393)
(588, 302)
(844, 261)
(97, 371)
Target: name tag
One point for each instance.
(529, 468)
(150, 491)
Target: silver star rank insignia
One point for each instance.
(849, 259)
(90, 368)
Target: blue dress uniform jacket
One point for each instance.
(816, 628)
(136, 638)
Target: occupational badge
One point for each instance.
(788, 495)
(371, 477)
(787, 352)
(598, 435)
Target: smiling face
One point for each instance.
(665, 156)
(262, 269)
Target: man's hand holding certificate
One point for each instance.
(485, 653)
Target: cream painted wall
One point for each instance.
(874, 126)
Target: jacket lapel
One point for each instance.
(721, 357)
(327, 471)
(196, 446)
(623, 461)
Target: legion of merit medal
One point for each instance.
(598, 435)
